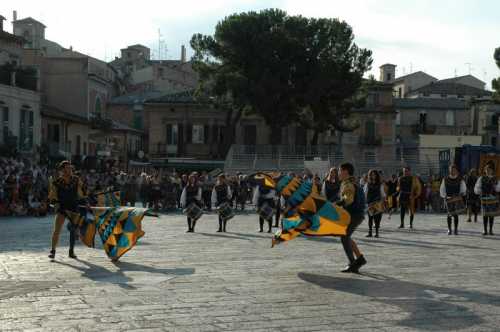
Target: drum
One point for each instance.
(225, 211)
(376, 208)
(490, 206)
(455, 205)
(266, 212)
(193, 211)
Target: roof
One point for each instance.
(185, 97)
(4, 35)
(387, 64)
(430, 103)
(413, 74)
(29, 20)
(458, 78)
(136, 98)
(54, 112)
(135, 46)
(451, 88)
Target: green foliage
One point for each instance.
(282, 68)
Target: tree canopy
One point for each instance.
(284, 68)
(496, 82)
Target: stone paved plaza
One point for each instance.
(173, 281)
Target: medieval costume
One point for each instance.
(409, 190)
(375, 198)
(66, 191)
(264, 200)
(473, 201)
(221, 195)
(487, 187)
(191, 194)
(453, 188)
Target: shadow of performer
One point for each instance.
(429, 307)
(100, 274)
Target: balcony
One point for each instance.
(100, 123)
(21, 77)
(370, 141)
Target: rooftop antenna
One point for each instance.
(159, 44)
(404, 70)
(485, 74)
(455, 72)
(411, 67)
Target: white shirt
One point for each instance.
(214, 195)
(184, 196)
(442, 189)
(478, 188)
(382, 191)
(256, 194)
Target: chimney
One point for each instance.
(183, 54)
(14, 16)
(1, 22)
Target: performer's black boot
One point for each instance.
(72, 240)
(52, 254)
(270, 225)
(261, 225)
(71, 254)
(411, 220)
(225, 223)
(448, 220)
(455, 223)
(377, 224)
(402, 217)
(370, 226)
(189, 225)
(491, 225)
(485, 224)
(376, 231)
(220, 225)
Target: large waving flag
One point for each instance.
(306, 211)
(119, 227)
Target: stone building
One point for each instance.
(20, 126)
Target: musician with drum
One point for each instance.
(221, 197)
(375, 197)
(453, 190)
(191, 202)
(487, 187)
(264, 200)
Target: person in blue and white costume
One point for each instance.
(487, 186)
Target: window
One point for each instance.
(450, 118)
(400, 92)
(370, 130)
(5, 123)
(78, 142)
(494, 141)
(389, 76)
(26, 129)
(398, 118)
(444, 95)
(85, 148)
(172, 134)
(250, 132)
(97, 109)
(198, 134)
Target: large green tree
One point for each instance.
(282, 68)
(496, 82)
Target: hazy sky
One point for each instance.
(438, 36)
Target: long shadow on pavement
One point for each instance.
(98, 273)
(429, 307)
(225, 235)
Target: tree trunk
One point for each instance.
(315, 138)
(232, 119)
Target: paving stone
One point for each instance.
(415, 280)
